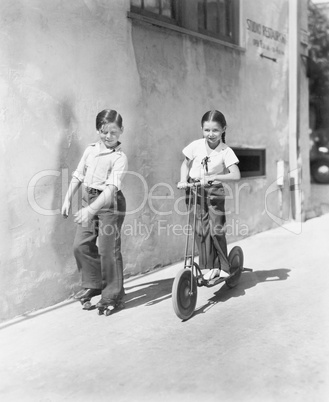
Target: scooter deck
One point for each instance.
(213, 282)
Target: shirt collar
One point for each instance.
(103, 150)
(220, 147)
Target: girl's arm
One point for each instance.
(184, 173)
(233, 175)
(73, 187)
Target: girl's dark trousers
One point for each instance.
(101, 265)
(210, 226)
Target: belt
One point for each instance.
(93, 191)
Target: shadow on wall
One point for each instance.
(63, 231)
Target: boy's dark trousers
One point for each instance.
(101, 266)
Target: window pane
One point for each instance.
(212, 16)
(201, 15)
(152, 5)
(229, 14)
(166, 8)
(222, 17)
(136, 3)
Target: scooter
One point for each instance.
(188, 279)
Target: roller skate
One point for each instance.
(109, 308)
(85, 296)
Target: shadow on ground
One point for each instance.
(247, 281)
(149, 293)
(154, 292)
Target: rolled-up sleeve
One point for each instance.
(230, 158)
(188, 151)
(80, 171)
(117, 172)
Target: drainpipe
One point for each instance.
(294, 109)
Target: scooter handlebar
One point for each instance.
(198, 184)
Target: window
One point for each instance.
(165, 9)
(252, 161)
(215, 18)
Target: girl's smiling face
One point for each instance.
(110, 134)
(212, 132)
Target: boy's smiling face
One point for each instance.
(110, 134)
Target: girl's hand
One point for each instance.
(204, 183)
(181, 185)
(83, 216)
(66, 208)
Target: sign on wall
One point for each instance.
(269, 41)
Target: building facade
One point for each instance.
(162, 65)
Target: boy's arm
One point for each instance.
(105, 198)
(73, 187)
(113, 184)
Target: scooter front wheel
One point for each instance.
(235, 259)
(184, 294)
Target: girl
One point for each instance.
(210, 161)
(100, 172)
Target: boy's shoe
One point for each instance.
(87, 293)
(108, 308)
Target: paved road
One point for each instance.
(266, 340)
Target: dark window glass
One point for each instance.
(201, 15)
(136, 3)
(161, 8)
(152, 5)
(167, 8)
(216, 18)
(212, 16)
(252, 161)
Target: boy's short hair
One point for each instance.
(108, 116)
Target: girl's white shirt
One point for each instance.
(218, 159)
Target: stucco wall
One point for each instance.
(63, 62)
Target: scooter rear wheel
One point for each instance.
(235, 259)
(184, 294)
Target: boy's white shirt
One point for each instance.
(101, 166)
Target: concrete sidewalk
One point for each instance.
(275, 347)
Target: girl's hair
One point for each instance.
(218, 117)
(108, 116)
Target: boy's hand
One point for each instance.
(83, 216)
(66, 208)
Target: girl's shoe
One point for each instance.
(215, 273)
